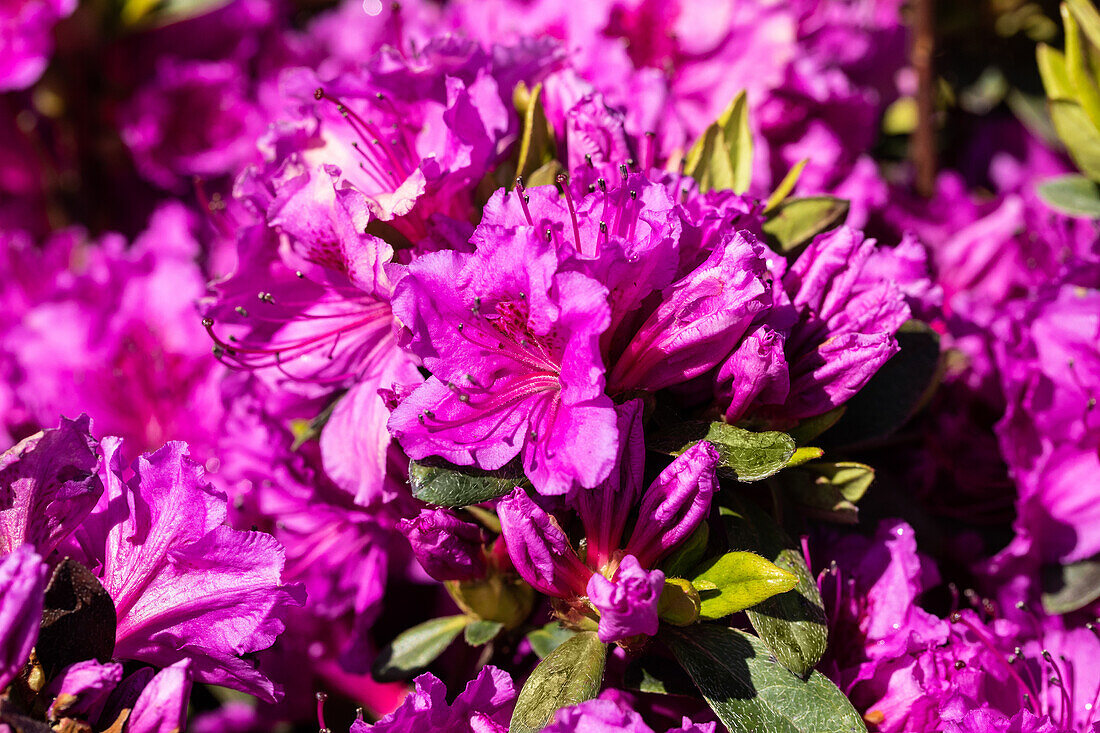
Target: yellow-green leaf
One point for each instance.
(1077, 132)
(722, 158)
(743, 579)
(1052, 68)
(1077, 68)
(786, 185)
(537, 146)
(415, 649)
(793, 223)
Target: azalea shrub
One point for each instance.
(518, 365)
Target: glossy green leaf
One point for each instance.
(415, 649)
(1067, 588)
(679, 603)
(749, 691)
(482, 632)
(742, 580)
(722, 158)
(1071, 194)
(437, 482)
(794, 223)
(571, 674)
(745, 455)
(548, 638)
(792, 624)
(783, 190)
(896, 392)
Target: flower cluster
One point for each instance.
(336, 331)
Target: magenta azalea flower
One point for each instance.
(485, 706)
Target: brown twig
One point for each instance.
(922, 145)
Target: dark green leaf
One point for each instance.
(548, 638)
(1067, 588)
(482, 632)
(748, 690)
(792, 624)
(896, 391)
(829, 490)
(813, 427)
(650, 673)
(78, 619)
(435, 481)
(793, 223)
(741, 580)
(415, 649)
(745, 455)
(572, 673)
(722, 158)
(1071, 194)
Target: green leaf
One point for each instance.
(830, 491)
(1088, 18)
(1077, 132)
(897, 391)
(1071, 194)
(722, 158)
(549, 638)
(794, 223)
(481, 632)
(1067, 588)
(681, 562)
(437, 482)
(743, 579)
(537, 147)
(571, 674)
(813, 427)
(1084, 87)
(415, 649)
(805, 454)
(748, 690)
(745, 455)
(783, 190)
(78, 619)
(1052, 69)
(792, 624)
(679, 603)
(651, 673)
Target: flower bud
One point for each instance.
(680, 603)
(539, 549)
(674, 504)
(445, 546)
(628, 604)
(496, 598)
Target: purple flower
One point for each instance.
(605, 509)
(512, 343)
(22, 584)
(699, 316)
(485, 706)
(48, 484)
(445, 546)
(81, 689)
(539, 549)
(755, 372)
(162, 705)
(26, 39)
(846, 320)
(609, 715)
(118, 337)
(185, 587)
(674, 504)
(627, 603)
(195, 118)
